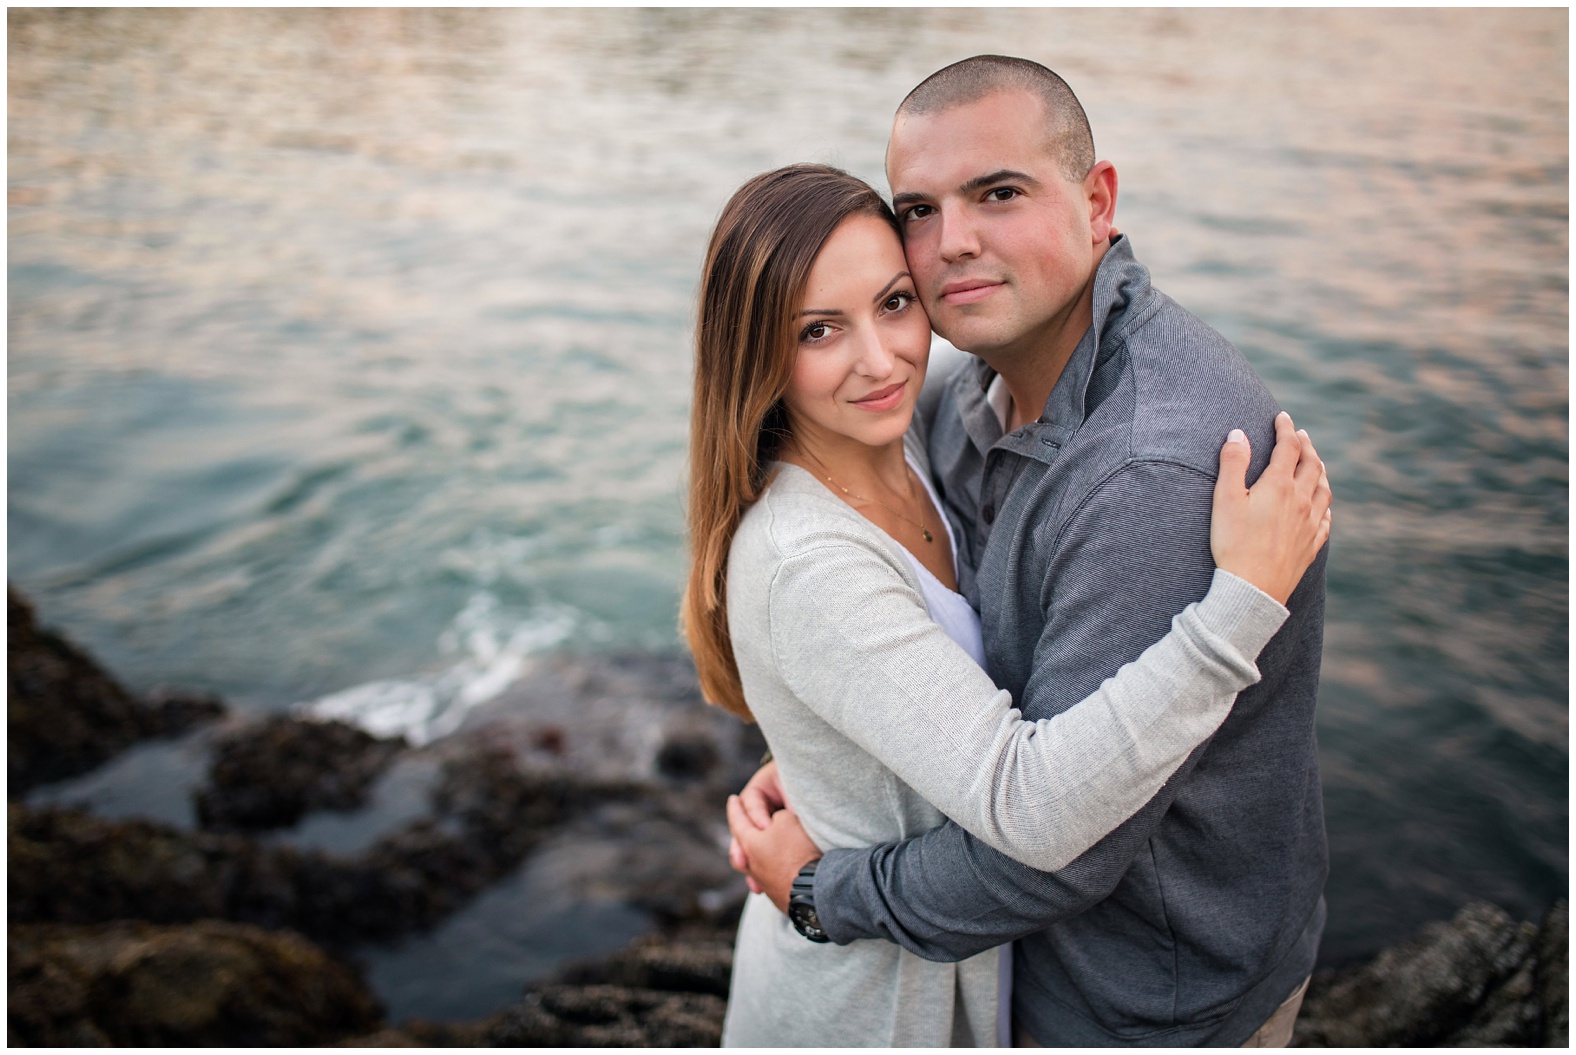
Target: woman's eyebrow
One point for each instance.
(900, 276)
(819, 311)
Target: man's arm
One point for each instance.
(1141, 539)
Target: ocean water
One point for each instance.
(349, 350)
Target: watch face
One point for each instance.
(806, 921)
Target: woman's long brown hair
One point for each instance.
(757, 266)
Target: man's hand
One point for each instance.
(773, 853)
(761, 797)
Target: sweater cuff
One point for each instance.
(836, 884)
(1241, 613)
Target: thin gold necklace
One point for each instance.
(923, 530)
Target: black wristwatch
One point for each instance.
(801, 904)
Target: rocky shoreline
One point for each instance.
(130, 932)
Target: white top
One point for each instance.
(947, 607)
(882, 725)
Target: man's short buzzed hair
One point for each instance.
(973, 79)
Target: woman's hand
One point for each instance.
(761, 797)
(775, 852)
(1270, 533)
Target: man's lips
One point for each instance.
(968, 290)
(883, 398)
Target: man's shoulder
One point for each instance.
(1189, 387)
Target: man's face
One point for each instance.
(998, 239)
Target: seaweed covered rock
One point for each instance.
(66, 866)
(206, 983)
(1473, 981)
(678, 963)
(610, 1016)
(65, 714)
(269, 774)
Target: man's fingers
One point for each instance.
(736, 856)
(758, 807)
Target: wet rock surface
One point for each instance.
(66, 866)
(1481, 979)
(208, 983)
(66, 715)
(606, 774)
(269, 774)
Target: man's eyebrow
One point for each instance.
(900, 276)
(902, 201)
(999, 176)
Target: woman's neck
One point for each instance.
(851, 465)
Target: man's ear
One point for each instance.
(1100, 191)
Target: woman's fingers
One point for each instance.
(757, 805)
(1288, 446)
(1310, 466)
(1234, 458)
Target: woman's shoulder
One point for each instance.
(797, 515)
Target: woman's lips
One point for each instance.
(883, 398)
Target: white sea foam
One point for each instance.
(493, 645)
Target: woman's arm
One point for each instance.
(853, 640)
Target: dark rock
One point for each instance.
(269, 774)
(1468, 981)
(610, 1016)
(207, 983)
(65, 715)
(1553, 975)
(416, 1033)
(688, 758)
(65, 866)
(698, 963)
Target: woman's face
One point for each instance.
(863, 341)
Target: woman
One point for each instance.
(822, 590)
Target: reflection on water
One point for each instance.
(348, 349)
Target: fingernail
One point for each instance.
(1236, 436)
(1303, 433)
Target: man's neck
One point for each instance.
(1032, 369)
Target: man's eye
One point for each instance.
(917, 212)
(1002, 194)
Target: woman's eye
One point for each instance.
(898, 301)
(816, 331)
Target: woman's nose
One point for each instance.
(875, 358)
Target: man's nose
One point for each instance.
(959, 236)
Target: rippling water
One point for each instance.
(349, 349)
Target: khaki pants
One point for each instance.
(1275, 1033)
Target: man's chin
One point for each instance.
(973, 335)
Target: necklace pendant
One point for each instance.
(928, 536)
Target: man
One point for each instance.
(1077, 454)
